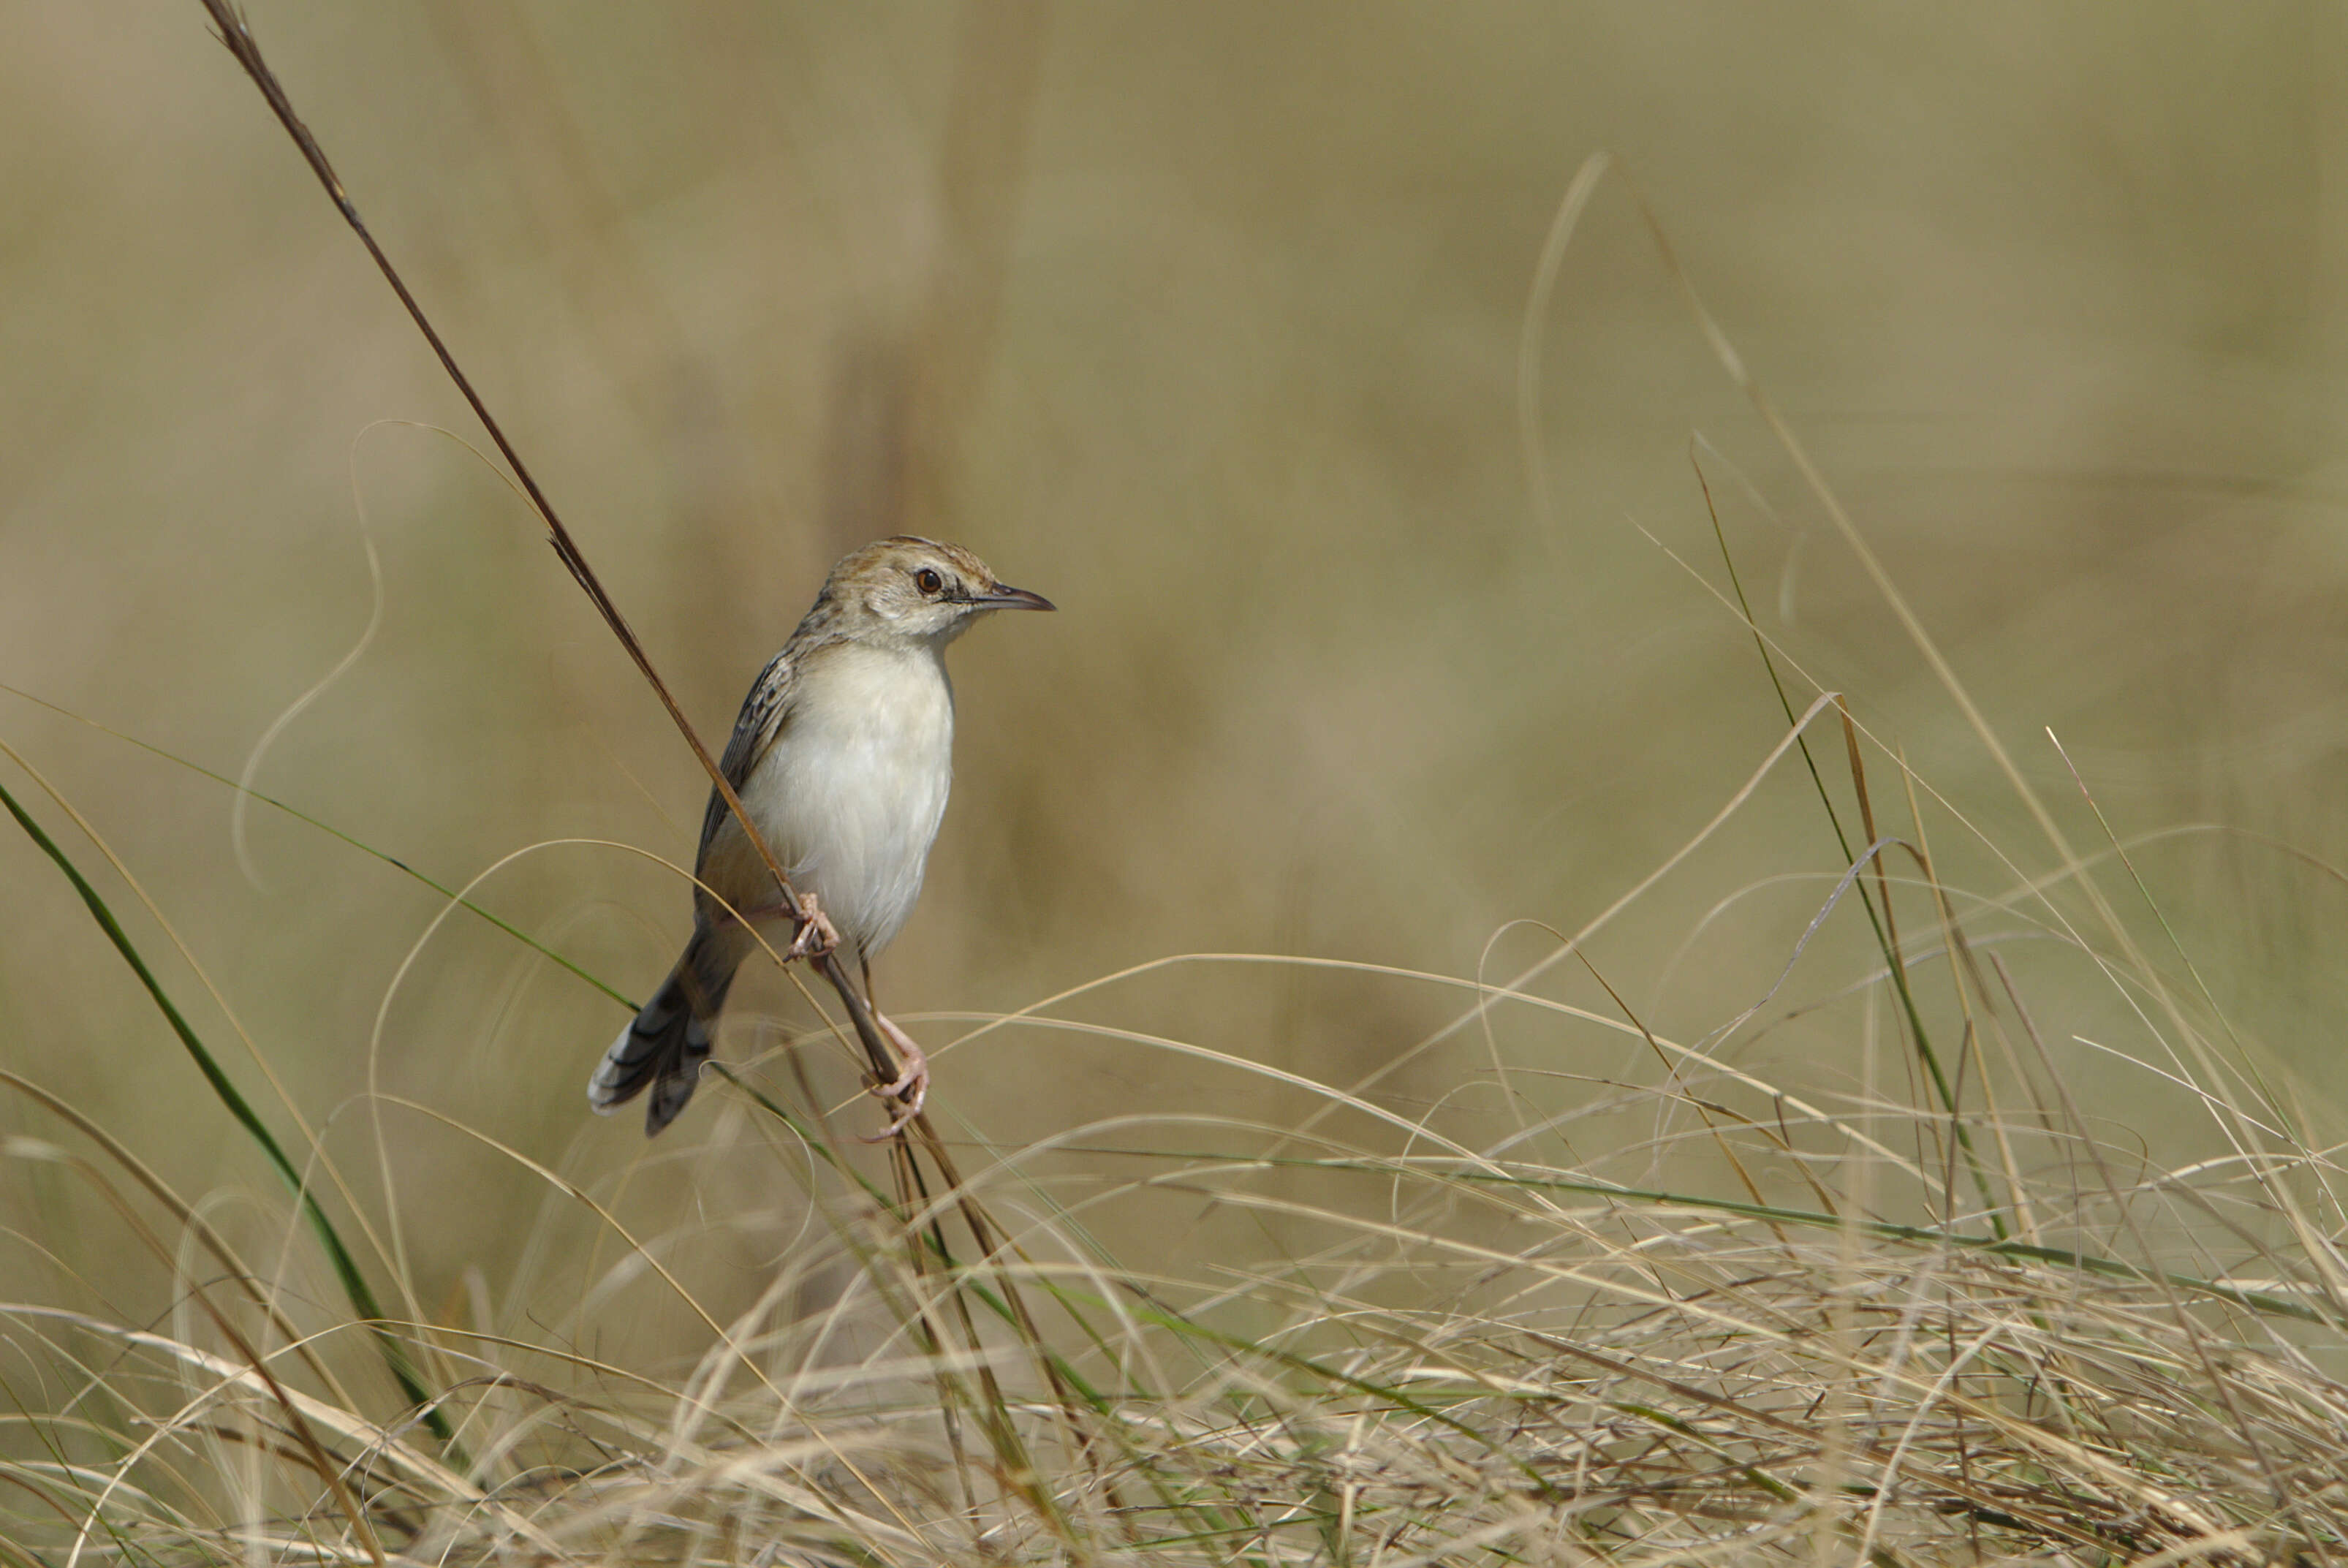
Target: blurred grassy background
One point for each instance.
(1204, 320)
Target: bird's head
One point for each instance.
(918, 591)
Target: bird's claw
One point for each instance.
(816, 935)
(909, 1088)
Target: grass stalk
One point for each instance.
(347, 1271)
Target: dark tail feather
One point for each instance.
(664, 1049)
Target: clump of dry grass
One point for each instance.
(1493, 1356)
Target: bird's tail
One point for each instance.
(664, 1049)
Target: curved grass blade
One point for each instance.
(346, 1269)
(1879, 922)
(332, 831)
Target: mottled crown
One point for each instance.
(910, 590)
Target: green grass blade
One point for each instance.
(331, 831)
(2264, 1301)
(354, 1286)
(1899, 971)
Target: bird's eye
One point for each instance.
(927, 580)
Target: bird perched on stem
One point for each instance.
(843, 755)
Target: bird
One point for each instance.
(844, 756)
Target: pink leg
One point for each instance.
(816, 935)
(911, 1090)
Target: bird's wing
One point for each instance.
(765, 712)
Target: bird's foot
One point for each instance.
(816, 935)
(911, 1087)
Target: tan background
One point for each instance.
(1213, 337)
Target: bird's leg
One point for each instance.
(911, 1087)
(816, 935)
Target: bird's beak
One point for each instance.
(1011, 599)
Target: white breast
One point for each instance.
(853, 793)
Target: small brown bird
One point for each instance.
(843, 755)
